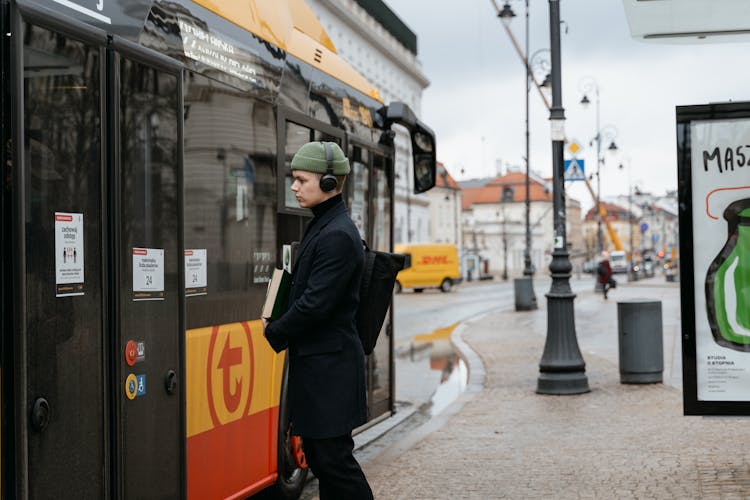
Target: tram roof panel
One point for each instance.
(292, 26)
(688, 21)
(288, 24)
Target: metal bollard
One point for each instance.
(639, 329)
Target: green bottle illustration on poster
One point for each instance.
(728, 282)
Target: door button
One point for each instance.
(131, 352)
(170, 382)
(40, 414)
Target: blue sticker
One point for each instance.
(141, 385)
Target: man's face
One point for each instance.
(306, 188)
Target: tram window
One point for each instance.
(379, 363)
(358, 189)
(230, 198)
(148, 130)
(296, 136)
(382, 205)
(322, 136)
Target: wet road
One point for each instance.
(423, 312)
(418, 369)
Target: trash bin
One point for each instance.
(524, 290)
(639, 333)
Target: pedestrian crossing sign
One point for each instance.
(574, 170)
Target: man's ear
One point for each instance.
(340, 181)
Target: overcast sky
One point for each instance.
(475, 102)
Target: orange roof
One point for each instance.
(444, 178)
(614, 212)
(492, 192)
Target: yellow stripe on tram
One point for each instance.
(231, 372)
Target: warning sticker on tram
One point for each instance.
(148, 274)
(195, 272)
(230, 372)
(68, 254)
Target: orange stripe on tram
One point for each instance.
(233, 390)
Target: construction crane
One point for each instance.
(603, 214)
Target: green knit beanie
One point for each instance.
(312, 158)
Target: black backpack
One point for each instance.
(375, 293)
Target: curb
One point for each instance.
(477, 373)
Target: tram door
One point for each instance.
(102, 336)
(149, 282)
(370, 207)
(65, 338)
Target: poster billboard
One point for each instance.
(713, 146)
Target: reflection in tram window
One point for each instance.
(380, 361)
(149, 156)
(358, 191)
(230, 198)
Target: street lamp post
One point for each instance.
(506, 196)
(631, 272)
(505, 248)
(561, 369)
(524, 288)
(527, 270)
(587, 85)
(538, 60)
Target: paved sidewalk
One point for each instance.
(502, 440)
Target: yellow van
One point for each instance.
(429, 266)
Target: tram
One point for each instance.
(145, 203)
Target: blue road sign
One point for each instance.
(574, 170)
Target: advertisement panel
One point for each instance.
(714, 195)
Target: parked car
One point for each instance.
(636, 272)
(648, 268)
(618, 261)
(590, 266)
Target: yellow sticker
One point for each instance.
(131, 386)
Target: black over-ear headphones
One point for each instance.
(328, 182)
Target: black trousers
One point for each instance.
(339, 475)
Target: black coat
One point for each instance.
(326, 362)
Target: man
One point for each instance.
(326, 361)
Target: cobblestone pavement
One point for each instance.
(502, 440)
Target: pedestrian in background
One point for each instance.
(326, 361)
(604, 273)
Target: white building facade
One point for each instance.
(445, 209)
(370, 37)
(494, 226)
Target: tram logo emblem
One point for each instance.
(230, 372)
